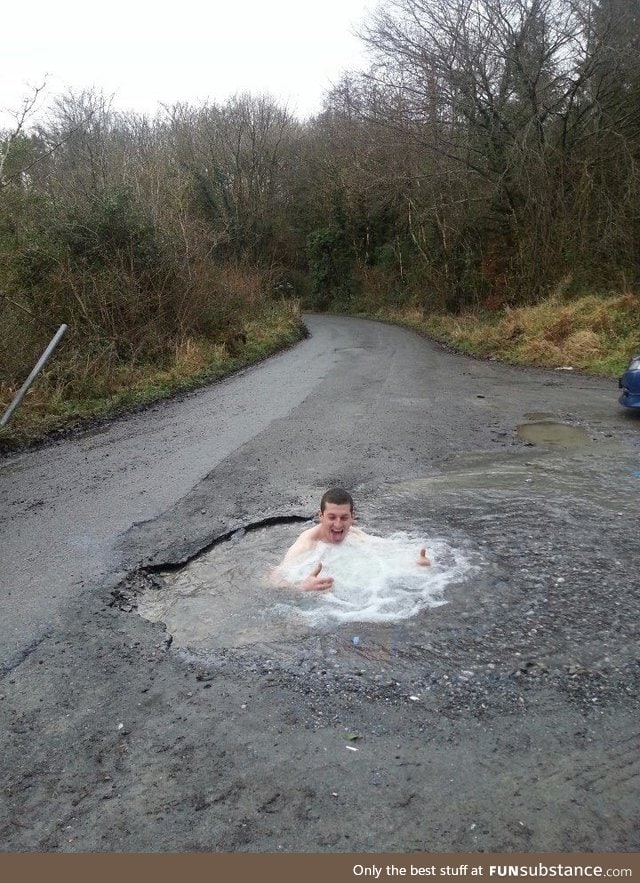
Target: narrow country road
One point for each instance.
(63, 507)
(505, 719)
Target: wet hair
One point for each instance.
(338, 496)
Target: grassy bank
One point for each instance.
(57, 402)
(597, 334)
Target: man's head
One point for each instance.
(338, 496)
(336, 515)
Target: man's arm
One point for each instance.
(303, 544)
(316, 583)
(423, 561)
(313, 582)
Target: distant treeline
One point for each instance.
(140, 234)
(489, 155)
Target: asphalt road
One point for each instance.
(523, 730)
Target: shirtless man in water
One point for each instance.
(335, 519)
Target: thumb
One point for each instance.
(423, 553)
(316, 570)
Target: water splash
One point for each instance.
(224, 598)
(376, 579)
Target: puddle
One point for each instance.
(491, 476)
(224, 599)
(601, 475)
(554, 435)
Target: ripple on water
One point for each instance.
(377, 579)
(224, 598)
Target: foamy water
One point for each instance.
(376, 579)
(225, 598)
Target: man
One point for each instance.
(335, 522)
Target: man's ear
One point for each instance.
(319, 513)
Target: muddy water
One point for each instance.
(553, 435)
(226, 597)
(597, 474)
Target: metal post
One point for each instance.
(42, 361)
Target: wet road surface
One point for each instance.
(505, 719)
(63, 507)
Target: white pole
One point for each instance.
(42, 361)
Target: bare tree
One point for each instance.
(522, 96)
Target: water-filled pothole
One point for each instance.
(554, 435)
(224, 598)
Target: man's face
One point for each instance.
(335, 522)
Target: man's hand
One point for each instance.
(423, 561)
(316, 583)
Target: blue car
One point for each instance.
(630, 384)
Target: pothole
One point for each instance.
(225, 598)
(553, 435)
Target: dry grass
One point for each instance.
(591, 333)
(68, 393)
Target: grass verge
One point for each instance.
(589, 333)
(53, 406)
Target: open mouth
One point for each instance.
(336, 535)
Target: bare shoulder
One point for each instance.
(359, 533)
(303, 544)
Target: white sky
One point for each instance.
(148, 52)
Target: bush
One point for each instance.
(331, 269)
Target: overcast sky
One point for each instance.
(147, 52)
